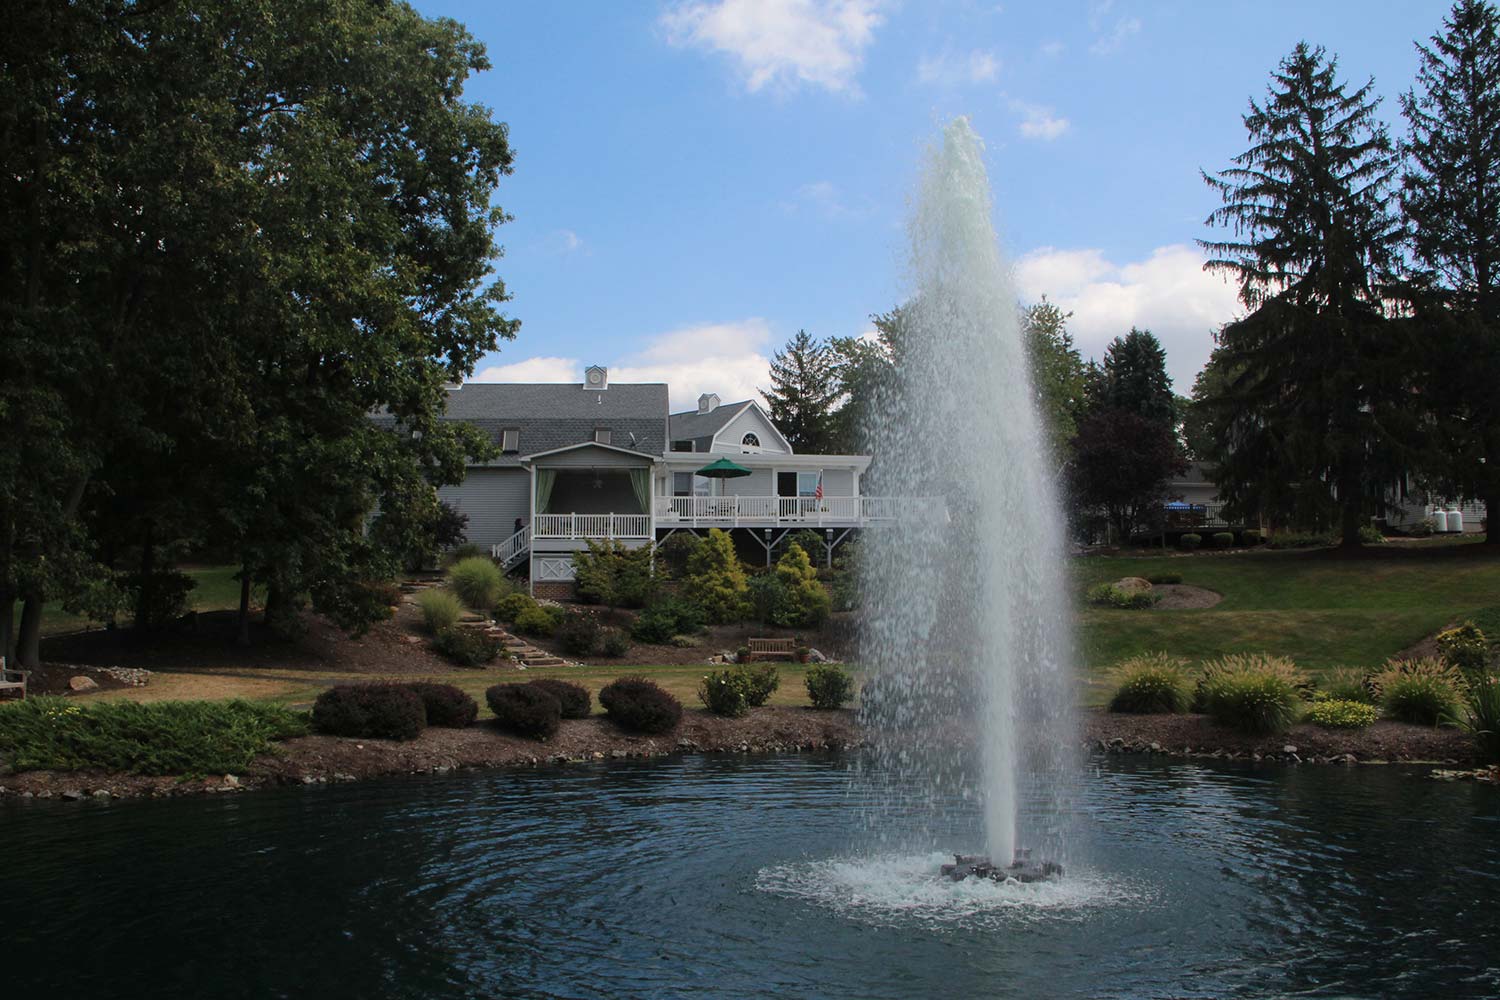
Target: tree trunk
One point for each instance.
(145, 595)
(1490, 491)
(8, 626)
(29, 648)
(1351, 504)
(243, 630)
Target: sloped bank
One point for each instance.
(324, 759)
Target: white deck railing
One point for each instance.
(757, 511)
(592, 526)
(510, 550)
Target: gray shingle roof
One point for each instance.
(556, 415)
(692, 424)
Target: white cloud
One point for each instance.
(784, 43)
(732, 359)
(1038, 121)
(567, 241)
(824, 198)
(1051, 49)
(949, 69)
(1116, 35)
(1168, 293)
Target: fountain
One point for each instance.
(965, 635)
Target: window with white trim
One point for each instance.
(750, 441)
(510, 439)
(807, 483)
(601, 435)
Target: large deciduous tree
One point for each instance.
(1057, 372)
(1313, 243)
(803, 393)
(1451, 195)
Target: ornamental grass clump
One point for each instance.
(1109, 595)
(440, 609)
(164, 737)
(1480, 717)
(637, 704)
(1253, 693)
(1152, 684)
(829, 685)
(524, 709)
(466, 647)
(1342, 713)
(723, 692)
(573, 700)
(370, 711)
(1347, 684)
(477, 581)
(447, 706)
(1423, 692)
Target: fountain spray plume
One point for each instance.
(965, 632)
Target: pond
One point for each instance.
(730, 877)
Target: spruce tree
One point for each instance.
(802, 393)
(1136, 379)
(1312, 247)
(1451, 196)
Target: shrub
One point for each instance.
(386, 592)
(723, 692)
(1153, 683)
(761, 681)
(807, 601)
(440, 609)
(1253, 693)
(509, 607)
(1340, 713)
(829, 685)
(158, 598)
(466, 647)
(164, 737)
(677, 551)
(1164, 578)
(614, 642)
(578, 634)
(535, 621)
(1481, 717)
(477, 581)
(1370, 535)
(524, 709)
(1465, 648)
(1297, 540)
(370, 711)
(666, 618)
(636, 704)
(1108, 595)
(1223, 539)
(1251, 536)
(468, 550)
(812, 543)
(1190, 541)
(769, 599)
(447, 706)
(1347, 684)
(716, 581)
(572, 699)
(608, 572)
(1423, 692)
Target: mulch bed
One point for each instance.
(1184, 596)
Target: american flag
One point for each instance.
(818, 493)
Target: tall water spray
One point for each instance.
(965, 625)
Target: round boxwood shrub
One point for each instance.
(1190, 541)
(579, 634)
(466, 647)
(637, 704)
(1253, 693)
(572, 699)
(723, 692)
(524, 709)
(760, 680)
(1423, 692)
(1151, 684)
(614, 642)
(829, 685)
(1223, 539)
(535, 621)
(370, 711)
(1251, 536)
(440, 609)
(477, 581)
(1340, 713)
(1164, 578)
(447, 706)
(509, 607)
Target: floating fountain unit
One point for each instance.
(1022, 869)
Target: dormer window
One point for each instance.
(682, 445)
(601, 435)
(510, 439)
(750, 441)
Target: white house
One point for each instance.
(596, 460)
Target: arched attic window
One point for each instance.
(750, 441)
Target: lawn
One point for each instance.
(216, 590)
(1320, 608)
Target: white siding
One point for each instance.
(492, 499)
(591, 458)
(760, 483)
(751, 421)
(838, 482)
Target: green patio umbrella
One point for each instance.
(723, 469)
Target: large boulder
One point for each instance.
(1132, 585)
(82, 683)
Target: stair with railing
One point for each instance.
(511, 551)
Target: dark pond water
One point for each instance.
(729, 877)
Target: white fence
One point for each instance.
(757, 511)
(591, 526)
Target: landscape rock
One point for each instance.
(82, 683)
(1133, 585)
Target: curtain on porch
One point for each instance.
(640, 482)
(545, 478)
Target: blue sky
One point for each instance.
(697, 181)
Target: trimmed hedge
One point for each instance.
(524, 709)
(573, 700)
(448, 707)
(637, 704)
(370, 711)
(1223, 539)
(1164, 578)
(1190, 541)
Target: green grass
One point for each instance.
(166, 737)
(216, 590)
(1320, 609)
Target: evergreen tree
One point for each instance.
(1136, 379)
(1312, 248)
(863, 369)
(1451, 196)
(802, 394)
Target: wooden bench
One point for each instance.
(768, 649)
(12, 680)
